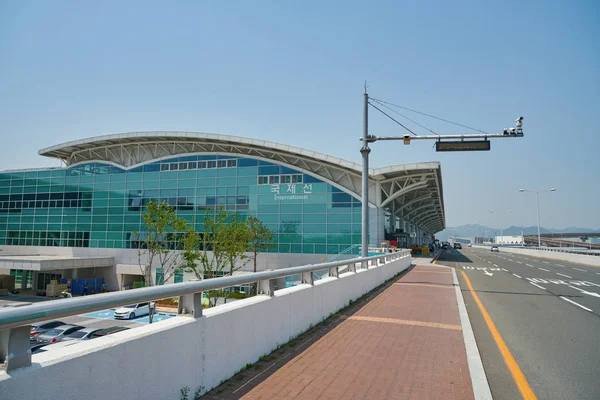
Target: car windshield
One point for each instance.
(54, 332)
(130, 306)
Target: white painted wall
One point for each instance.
(551, 255)
(156, 361)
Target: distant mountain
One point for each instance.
(472, 230)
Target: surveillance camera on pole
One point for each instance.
(519, 123)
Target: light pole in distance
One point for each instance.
(537, 193)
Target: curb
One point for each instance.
(481, 386)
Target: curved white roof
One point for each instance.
(402, 188)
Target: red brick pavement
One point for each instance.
(406, 343)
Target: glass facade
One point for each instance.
(100, 205)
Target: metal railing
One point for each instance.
(15, 322)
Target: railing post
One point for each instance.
(334, 271)
(190, 304)
(307, 277)
(266, 287)
(15, 349)
(352, 267)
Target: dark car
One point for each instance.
(445, 246)
(38, 347)
(458, 246)
(42, 327)
(82, 334)
(107, 331)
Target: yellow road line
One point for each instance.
(405, 322)
(510, 361)
(436, 258)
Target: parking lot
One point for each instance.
(97, 320)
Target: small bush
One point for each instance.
(185, 391)
(168, 302)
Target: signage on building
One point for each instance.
(291, 191)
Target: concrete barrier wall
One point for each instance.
(551, 255)
(156, 361)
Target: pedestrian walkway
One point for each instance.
(406, 342)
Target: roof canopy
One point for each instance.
(411, 191)
(53, 263)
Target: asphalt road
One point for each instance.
(548, 314)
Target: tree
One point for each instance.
(162, 230)
(220, 249)
(260, 238)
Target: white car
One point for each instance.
(133, 311)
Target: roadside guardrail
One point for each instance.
(15, 323)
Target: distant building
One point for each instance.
(508, 240)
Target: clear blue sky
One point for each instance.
(293, 72)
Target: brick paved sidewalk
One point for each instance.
(405, 343)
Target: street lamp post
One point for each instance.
(537, 193)
(490, 219)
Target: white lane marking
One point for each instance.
(517, 276)
(579, 269)
(545, 262)
(535, 284)
(488, 273)
(592, 283)
(529, 265)
(496, 265)
(559, 265)
(511, 260)
(577, 304)
(566, 276)
(519, 262)
(597, 273)
(544, 269)
(489, 262)
(504, 269)
(585, 291)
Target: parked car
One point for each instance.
(458, 246)
(495, 248)
(42, 327)
(133, 311)
(470, 245)
(57, 334)
(82, 334)
(107, 331)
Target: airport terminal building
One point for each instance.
(78, 221)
